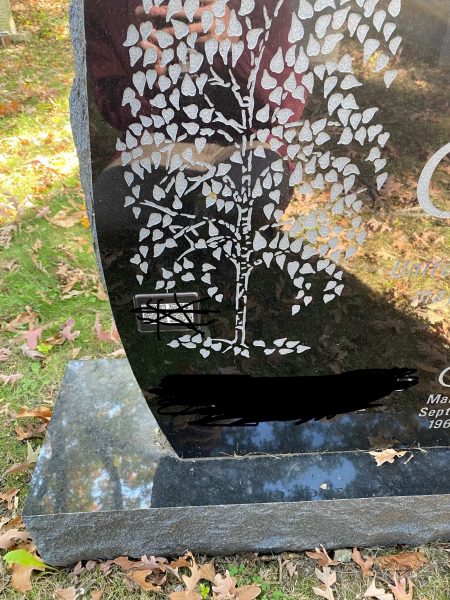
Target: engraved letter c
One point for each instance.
(423, 187)
(442, 377)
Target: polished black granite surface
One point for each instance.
(281, 166)
(103, 452)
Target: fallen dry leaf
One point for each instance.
(120, 353)
(106, 336)
(400, 591)
(43, 412)
(32, 337)
(74, 353)
(198, 572)
(10, 537)
(26, 318)
(10, 379)
(181, 562)
(405, 561)
(4, 354)
(377, 593)
(387, 456)
(66, 218)
(224, 588)
(78, 568)
(9, 496)
(21, 578)
(140, 577)
(328, 578)
(66, 593)
(21, 575)
(101, 293)
(30, 432)
(321, 555)
(10, 265)
(43, 212)
(97, 595)
(67, 333)
(126, 564)
(290, 567)
(33, 354)
(32, 456)
(36, 246)
(365, 565)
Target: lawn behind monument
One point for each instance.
(53, 308)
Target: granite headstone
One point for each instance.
(282, 299)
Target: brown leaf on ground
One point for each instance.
(127, 565)
(400, 591)
(9, 496)
(364, 565)
(90, 565)
(405, 561)
(78, 568)
(140, 577)
(4, 354)
(6, 234)
(106, 336)
(32, 337)
(30, 432)
(387, 456)
(120, 353)
(328, 579)
(67, 333)
(32, 456)
(18, 468)
(10, 265)
(43, 412)
(33, 354)
(97, 595)
(43, 212)
(224, 588)
(181, 562)
(321, 555)
(290, 567)
(74, 353)
(36, 246)
(21, 576)
(154, 563)
(66, 593)
(10, 379)
(66, 218)
(10, 537)
(101, 293)
(198, 572)
(25, 318)
(13, 523)
(377, 593)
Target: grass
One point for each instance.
(39, 260)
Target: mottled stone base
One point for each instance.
(106, 484)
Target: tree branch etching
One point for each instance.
(260, 151)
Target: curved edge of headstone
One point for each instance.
(79, 113)
(223, 530)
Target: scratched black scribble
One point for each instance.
(243, 400)
(184, 314)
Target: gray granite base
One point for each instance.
(106, 484)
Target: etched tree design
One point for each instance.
(266, 148)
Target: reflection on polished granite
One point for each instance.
(104, 452)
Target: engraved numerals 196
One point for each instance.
(440, 424)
